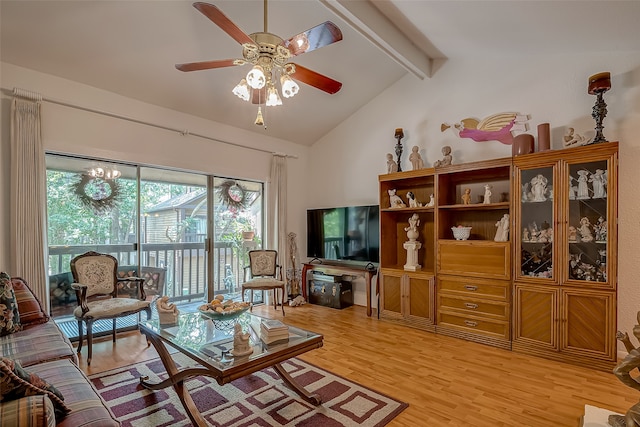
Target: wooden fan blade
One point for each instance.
(259, 96)
(220, 19)
(314, 38)
(316, 80)
(206, 65)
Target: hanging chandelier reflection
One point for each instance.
(104, 173)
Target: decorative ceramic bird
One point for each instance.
(497, 127)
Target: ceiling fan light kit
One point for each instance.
(269, 55)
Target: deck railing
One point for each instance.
(185, 265)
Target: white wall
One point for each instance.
(73, 131)
(548, 89)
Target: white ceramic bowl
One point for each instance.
(461, 233)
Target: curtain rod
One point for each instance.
(35, 96)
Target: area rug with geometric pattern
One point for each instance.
(261, 399)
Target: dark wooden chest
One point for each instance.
(330, 294)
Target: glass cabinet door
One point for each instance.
(587, 223)
(536, 223)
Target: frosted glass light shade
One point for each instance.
(289, 87)
(242, 90)
(256, 77)
(273, 99)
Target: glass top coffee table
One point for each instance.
(210, 342)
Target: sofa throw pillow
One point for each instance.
(29, 306)
(9, 314)
(16, 382)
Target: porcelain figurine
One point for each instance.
(432, 201)
(241, 344)
(411, 198)
(416, 159)
(583, 185)
(585, 230)
(412, 245)
(599, 182)
(502, 230)
(487, 194)
(446, 160)
(392, 166)
(539, 188)
(466, 197)
(395, 201)
(167, 312)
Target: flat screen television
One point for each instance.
(350, 234)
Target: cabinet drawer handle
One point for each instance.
(471, 305)
(471, 323)
(471, 287)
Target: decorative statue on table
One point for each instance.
(622, 371)
(241, 344)
(167, 311)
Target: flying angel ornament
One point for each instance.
(497, 127)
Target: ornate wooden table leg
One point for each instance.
(176, 379)
(312, 398)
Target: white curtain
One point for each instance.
(28, 196)
(277, 204)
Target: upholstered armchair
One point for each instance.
(96, 286)
(265, 275)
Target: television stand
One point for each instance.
(338, 270)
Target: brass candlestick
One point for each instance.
(598, 85)
(399, 135)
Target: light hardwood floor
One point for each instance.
(446, 381)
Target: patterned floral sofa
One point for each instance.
(40, 381)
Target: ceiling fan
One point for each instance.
(269, 55)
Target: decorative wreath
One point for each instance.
(100, 195)
(233, 195)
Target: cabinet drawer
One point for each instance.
(477, 307)
(475, 325)
(474, 258)
(474, 288)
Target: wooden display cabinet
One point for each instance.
(393, 221)
(565, 237)
(474, 275)
(407, 296)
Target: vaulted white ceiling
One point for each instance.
(131, 47)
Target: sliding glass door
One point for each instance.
(186, 234)
(91, 206)
(174, 212)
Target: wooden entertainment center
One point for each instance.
(549, 290)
